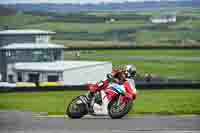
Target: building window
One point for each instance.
(10, 78)
(8, 54)
(4, 76)
(42, 39)
(57, 55)
(33, 78)
(41, 56)
(53, 78)
(11, 54)
(19, 77)
(37, 55)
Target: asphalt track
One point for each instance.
(26, 122)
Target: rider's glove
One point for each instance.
(100, 84)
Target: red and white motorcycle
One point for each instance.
(110, 99)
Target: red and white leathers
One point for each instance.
(117, 75)
(121, 82)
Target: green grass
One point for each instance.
(148, 101)
(167, 37)
(167, 69)
(122, 29)
(185, 53)
(19, 20)
(190, 24)
(52, 102)
(87, 27)
(168, 102)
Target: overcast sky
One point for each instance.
(71, 1)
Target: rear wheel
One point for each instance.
(118, 110)
(77, 108)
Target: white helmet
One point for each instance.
(131, 71)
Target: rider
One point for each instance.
(117, 76)
(120, 76)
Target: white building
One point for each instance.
(164, 20)
(67, 72)
(28, 56)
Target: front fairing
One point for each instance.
(130, 88)
(127, 89)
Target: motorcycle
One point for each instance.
(109, 99)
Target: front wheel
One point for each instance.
(118, 110)
(77, 108)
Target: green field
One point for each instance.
(125, 31)
(190, 24)
(188, 70)
(19, 20)
(128, 26)
(184, 53)
(87, 27)
(165, 69)
(167, 37)
(148, 101)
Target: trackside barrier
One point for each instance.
(139, 85)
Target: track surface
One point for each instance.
(26, 122)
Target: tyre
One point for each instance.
(118, 110)
(77, 108)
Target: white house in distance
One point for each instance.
(28, 56)
(164, 19)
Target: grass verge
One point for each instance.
(184, 53)
(167, 69)
(148, 101)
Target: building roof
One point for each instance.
(57, 66)
(25, 32)
(31, 46)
